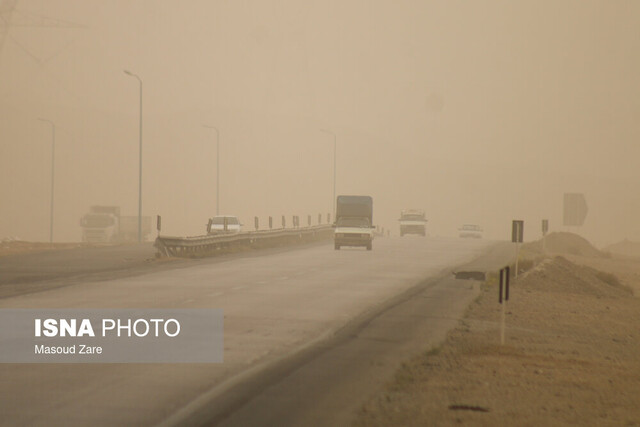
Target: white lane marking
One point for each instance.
(215, 294)
(235, 288)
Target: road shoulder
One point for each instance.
(570, 357)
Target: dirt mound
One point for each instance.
(559, 275)
(625, 247)
(565, 243)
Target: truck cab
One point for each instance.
(353, 226)
(100, 226)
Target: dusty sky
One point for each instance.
(478, 112)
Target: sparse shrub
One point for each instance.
(434, 351)
(525, 265)
(608, 278)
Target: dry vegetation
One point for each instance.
(570, 355)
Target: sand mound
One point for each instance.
(562, 276)
(565, 243)
(625, 247)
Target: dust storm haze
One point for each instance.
(477, 112)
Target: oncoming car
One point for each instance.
(224, 224)
(471, 231)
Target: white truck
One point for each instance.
(413, 221)
(104, 224)
(353, 226)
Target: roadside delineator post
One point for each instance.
(517, 231)
(503, 297)
(256, 222)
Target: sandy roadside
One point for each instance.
(570, 355)
(20, 247)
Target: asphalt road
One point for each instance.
(283, 310)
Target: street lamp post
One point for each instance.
(140, 165)
(53, 159)
(217, 167)
(333, 203)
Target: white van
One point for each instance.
(224, 224)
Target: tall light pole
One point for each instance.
(53, 160)
(333, 203)
(217, 167)
(140, 166)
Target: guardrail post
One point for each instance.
(328, 218)
(309, 220)
(270, 223)
(319, 219)
(226, 224)
(283, 222)
(255, 219)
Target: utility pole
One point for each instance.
(140, 165)
(53, 164)
(217, 167)
(333, 203)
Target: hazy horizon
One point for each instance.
(476, 112)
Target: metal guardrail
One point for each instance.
(169, 246)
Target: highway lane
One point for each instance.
(274, 305)
(327, 383)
